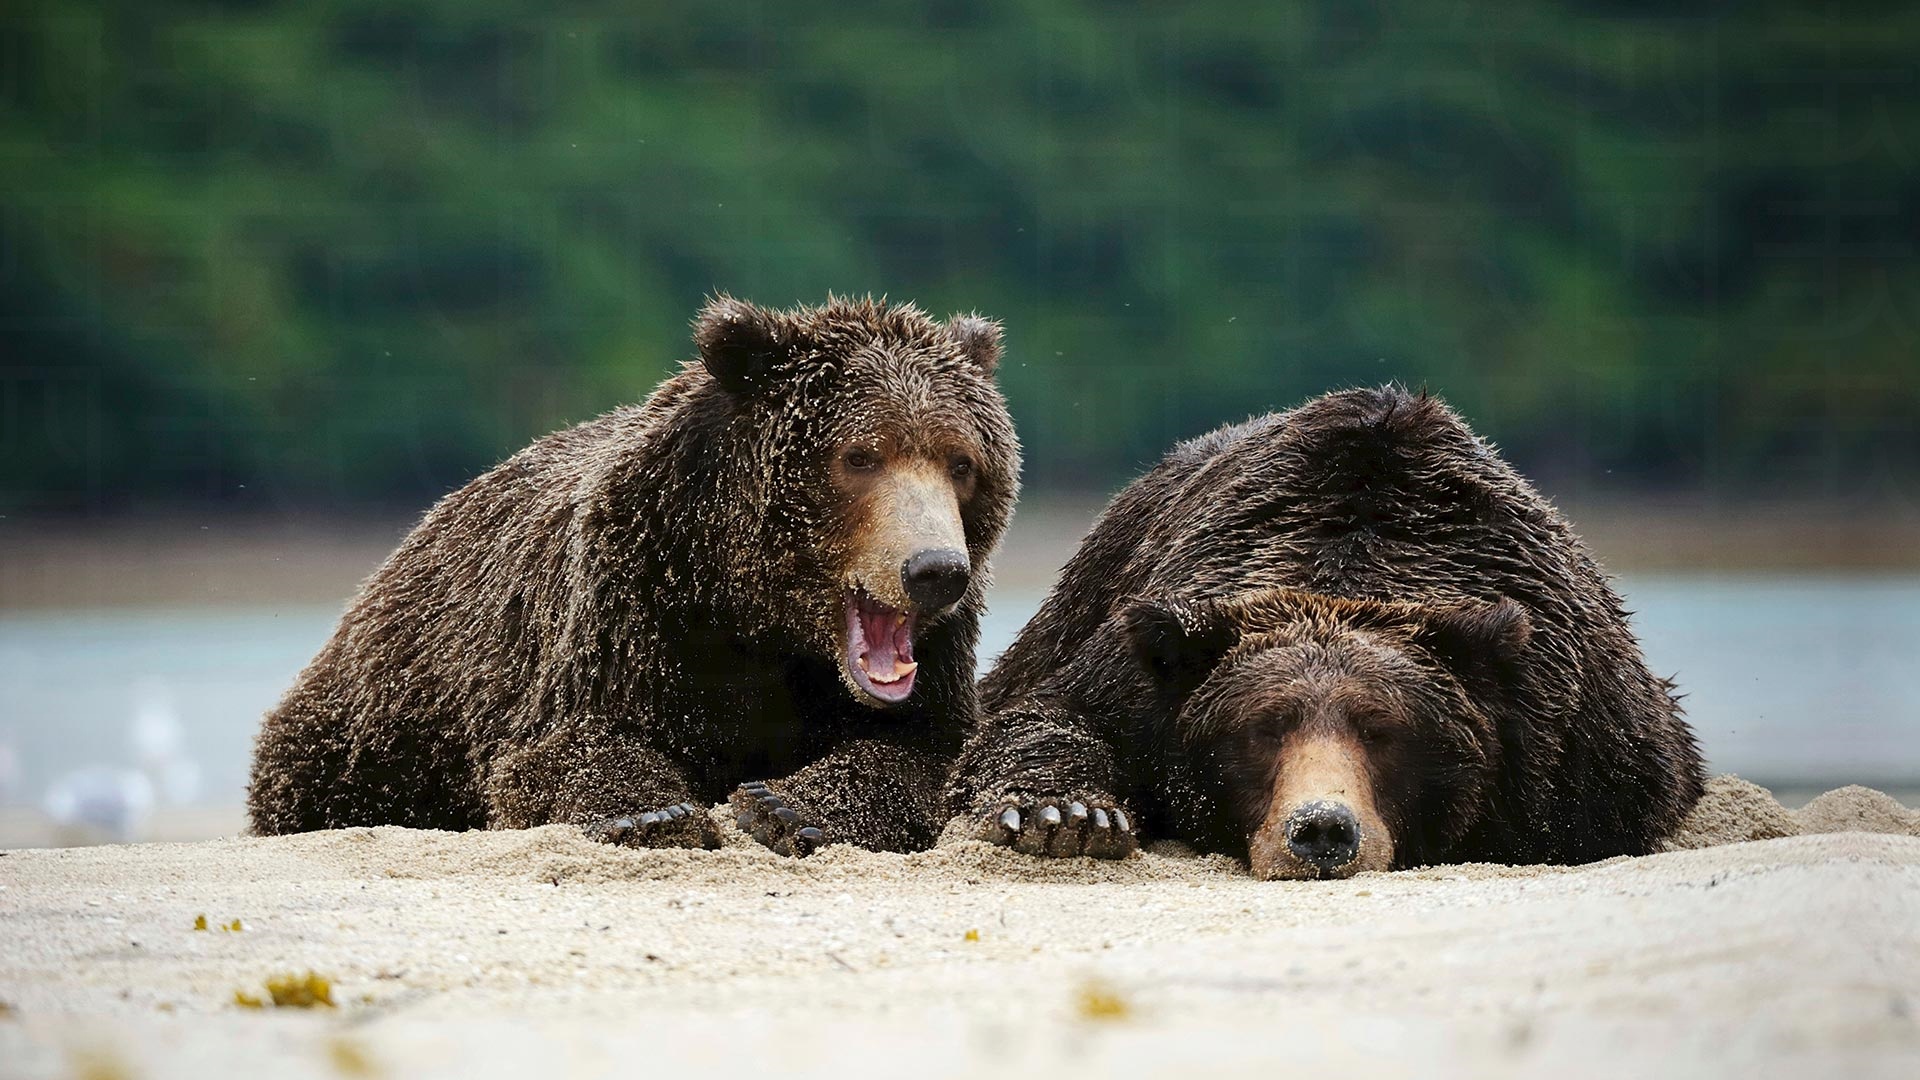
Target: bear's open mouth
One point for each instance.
(880, 648)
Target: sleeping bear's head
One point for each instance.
(1340, 735)
(880, 469)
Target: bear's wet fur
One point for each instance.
(1360, 581)
(631, 618)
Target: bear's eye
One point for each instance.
(862, 460)
(961, 468)
(1376, 733)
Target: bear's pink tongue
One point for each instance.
(889, 634)
(882, 648)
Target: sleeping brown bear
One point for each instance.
(1346, 637)
(766, 580)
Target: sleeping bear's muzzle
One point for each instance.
(1322, 821)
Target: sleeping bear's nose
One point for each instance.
(936, 578)
(1324, 834)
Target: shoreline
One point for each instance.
(249, 560)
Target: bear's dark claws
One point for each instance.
(1061, 828)
(765, 816)
(680, 825)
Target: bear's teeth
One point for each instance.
(900, 671)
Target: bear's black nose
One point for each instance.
(1324, 834)
(936, 578)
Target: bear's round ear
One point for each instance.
(741, 343)
(1475, 635)
(1178, 643)
(978, 338)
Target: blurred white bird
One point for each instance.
(9, 772)
(100, 803)
(156, 735)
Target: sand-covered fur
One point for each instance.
(770, 571)
(1340, 638)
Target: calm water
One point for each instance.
(1803, 681)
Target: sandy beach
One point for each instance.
(1791, 952)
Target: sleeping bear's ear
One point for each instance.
(978, 338)
(1473, 635)
(741, 343)
(1179, 643)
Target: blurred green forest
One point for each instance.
(349, 253)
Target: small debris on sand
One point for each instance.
(290, 991)
(349, 1058)
(1096, 1000)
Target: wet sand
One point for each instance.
(538, 953)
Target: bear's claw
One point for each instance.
(680, 825)
(767, 818)
(1059, 827)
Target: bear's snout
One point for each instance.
(1321, 820)
(1324, 834)
(910, 546)
(935, 578)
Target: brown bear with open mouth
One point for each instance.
(1347, 637)
(763, 584)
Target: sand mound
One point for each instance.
(559, 854)
(1858, 809)
(1731, 811)
(1734, 810)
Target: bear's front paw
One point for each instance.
(1061, 826)
(767, 818)
(680, 825)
